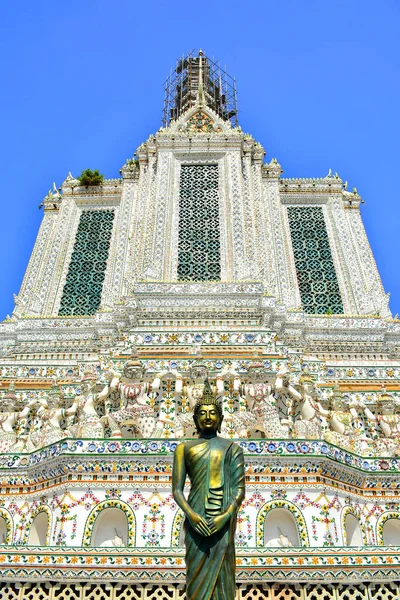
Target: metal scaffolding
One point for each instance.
(182, 86)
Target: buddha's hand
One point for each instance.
(199, 524)
(217, 523)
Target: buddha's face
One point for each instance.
(208, 419)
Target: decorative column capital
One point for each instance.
(272, 170)
(131, 169)
(351, 199)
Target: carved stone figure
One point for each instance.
(88, 423)
(193, 391)
(262, 413)
(389, 424)
(135, 409)
(51, 414)
(342, 420)
(227, 374)
(216, 471)
(9, 418)
(262, 405)
(163, 416)
(309, 423)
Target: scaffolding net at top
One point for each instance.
(182, 86)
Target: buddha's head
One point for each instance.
(207, 413)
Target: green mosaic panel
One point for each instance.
(199, 247)
(86, 272)
(316, 275)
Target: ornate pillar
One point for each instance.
(117, 282)
(236, 192)
(31, 297)
(283, 276)
(358, 266)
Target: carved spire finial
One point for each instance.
(200, 100)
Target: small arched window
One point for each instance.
(110, 529)
(39, 530)
(391, 532)
(280, 529)
(353, 534)
(3, 530)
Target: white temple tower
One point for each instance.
(200, 261)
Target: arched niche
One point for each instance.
(39, 532)
(300, 539)
(103, 520)
(6, 527)
(352, 531)
(3, 530)
(280, 521)
(391, 532)
(110, 521)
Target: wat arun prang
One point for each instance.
(201, 261)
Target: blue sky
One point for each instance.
(318, 85)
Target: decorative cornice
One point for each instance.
(152, 301)
(166, 565)
(284, 458)
(326, 185)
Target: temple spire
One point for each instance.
(199, 81)
(200, 100)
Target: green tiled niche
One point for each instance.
(86, 272)
(199, 232)
(316, 275)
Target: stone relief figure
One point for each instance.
(134, 409)
(50, 414)
(227, 374)
(308, 424)
(389, 424)
(193, 391)
(262, 413)
(215, 468)
(19, 306)
(342, 419)
(163, 416)
(261, 401)
(88, 423)
(10, 416)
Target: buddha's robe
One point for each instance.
(216, 471)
